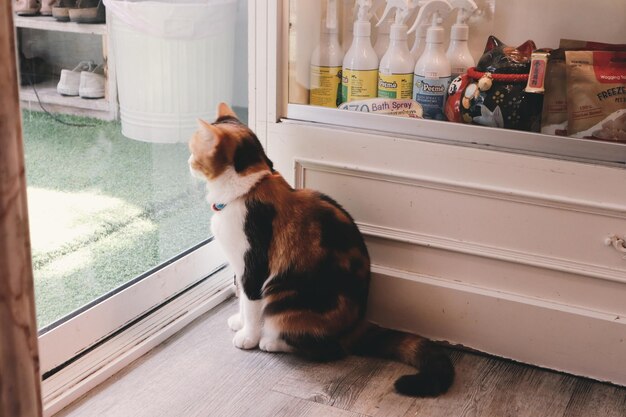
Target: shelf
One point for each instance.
(50, 23)
(561, 147)
(57, 103)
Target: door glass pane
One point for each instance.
(107, 110)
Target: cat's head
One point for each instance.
(226, 147)
(499, 58)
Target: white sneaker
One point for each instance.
(92, 83)
(70, 80)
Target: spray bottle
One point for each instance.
(326, 62)
(420, 42)
(432, 70)
(458, 52)
(395, 72)
(360, 65)
(420, 37)
(382, 36)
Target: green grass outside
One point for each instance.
(103, 209)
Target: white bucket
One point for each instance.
(174, 64)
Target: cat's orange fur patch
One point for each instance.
(213, 157)
(287, 250)
(275, 297)
(223, 110)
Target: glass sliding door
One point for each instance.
(103, 210)
(117, 223)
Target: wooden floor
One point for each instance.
(200, 373)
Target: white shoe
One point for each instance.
(92, 83)
(70, 80)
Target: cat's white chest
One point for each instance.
(227, 226)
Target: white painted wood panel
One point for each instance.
(543, 333)
(582, 183)
(501, 275)
(474, 218)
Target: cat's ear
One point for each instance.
(207, 131)
(223, 110)
(492, 42)
(527, 48)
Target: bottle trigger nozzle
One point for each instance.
(364, 10)
(466, 10)
(403, 10)
(437, 9)
(331, 15)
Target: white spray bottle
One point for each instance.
(346, 22)
(382, 36)
(420, 38)
(458, 52)
(432, 71)
(326, 62)
(395, 72)
(360, 65)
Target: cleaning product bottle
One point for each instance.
(458, 52)
(420, 37)
(395, 72)
(432, 70)
(360, 65)
(420, 42)
(326, 62)
(382, 36)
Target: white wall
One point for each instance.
(546, 22)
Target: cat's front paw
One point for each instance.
(235, 323)
(246, 339)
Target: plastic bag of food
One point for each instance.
(554, 114)
(596, 94)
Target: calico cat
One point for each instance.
(300, 262)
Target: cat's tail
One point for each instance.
(435, 371)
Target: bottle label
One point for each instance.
(325, 86)
(431, 94)
(395, 86)
(359, 84)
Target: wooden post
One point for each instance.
(20, 390)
